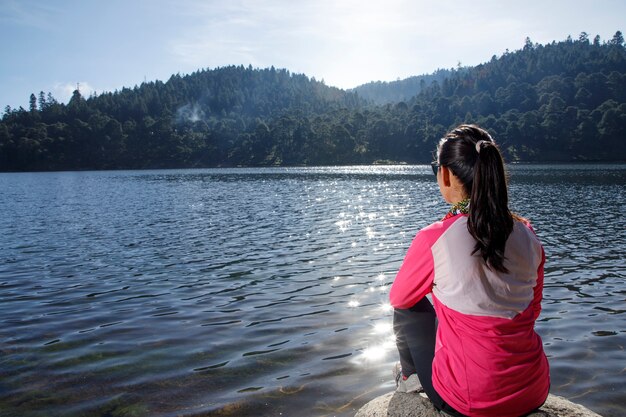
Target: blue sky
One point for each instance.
(105, 45)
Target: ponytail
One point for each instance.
(490, 221)
(473, 157)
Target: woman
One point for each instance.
(484, 268)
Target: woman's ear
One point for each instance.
(445, 176)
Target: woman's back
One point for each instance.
(464, 282)
(488, 359)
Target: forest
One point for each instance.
(559, 102)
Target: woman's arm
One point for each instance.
(415, 277)
(538, 290)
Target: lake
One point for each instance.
(263, 292)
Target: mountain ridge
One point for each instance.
(563, 101)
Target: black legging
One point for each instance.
(415, 330)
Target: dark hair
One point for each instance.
(472, 156)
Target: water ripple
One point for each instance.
(209, 291)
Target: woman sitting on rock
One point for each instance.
(476, 353)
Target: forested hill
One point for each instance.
(564, 101)
(382, 92)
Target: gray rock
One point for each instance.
(396, 404)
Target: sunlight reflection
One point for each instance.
(353, 303)
(382, 327)
(380, 351)
(390, 343)
(386, 307)
(374, 353)
(343, 225)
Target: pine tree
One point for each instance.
(596, 40)
(42, 101)
(33, 103)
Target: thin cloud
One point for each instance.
(62, 91)
(345, 42)
(26, 13)
(351, 42)
(298, 36)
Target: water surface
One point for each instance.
(252, 292)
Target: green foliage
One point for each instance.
(381, 92)
(563, 101)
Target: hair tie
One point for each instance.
(480, 142)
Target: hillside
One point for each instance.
(383, 92)
(564, 101)
(225, 116)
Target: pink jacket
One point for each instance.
(488, 359)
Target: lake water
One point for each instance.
(263, 292)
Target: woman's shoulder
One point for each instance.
(439, 227)
(524, 221)
(523, 227)
(521, 219)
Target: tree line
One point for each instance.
(563, 101)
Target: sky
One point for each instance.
(105, 45)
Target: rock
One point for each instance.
(397, 404)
